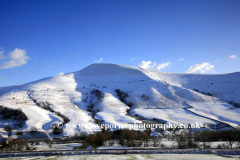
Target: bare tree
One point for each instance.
(157, 142)
(181, 140)
(205, 137)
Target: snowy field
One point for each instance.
(65, 146)
(130, 156)
(166, 143)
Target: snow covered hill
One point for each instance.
(117, 94)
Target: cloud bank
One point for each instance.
(15, 58)
(202, 68)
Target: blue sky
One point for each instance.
(42, 38)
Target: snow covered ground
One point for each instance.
(131, 156)
(171, 97)
(65, 146)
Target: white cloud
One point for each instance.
(17, 54)
(180, 59)
(100, 60)
(202, 68)
(15, 59)
(2, 56)
(164, 65)
(232, 56)
(60, 74)
(1, 48)
(132, 59)
(150, 64)
(147, 64)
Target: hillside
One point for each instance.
(117, 94)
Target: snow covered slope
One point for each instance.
(110, 94)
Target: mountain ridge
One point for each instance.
(149, 94)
